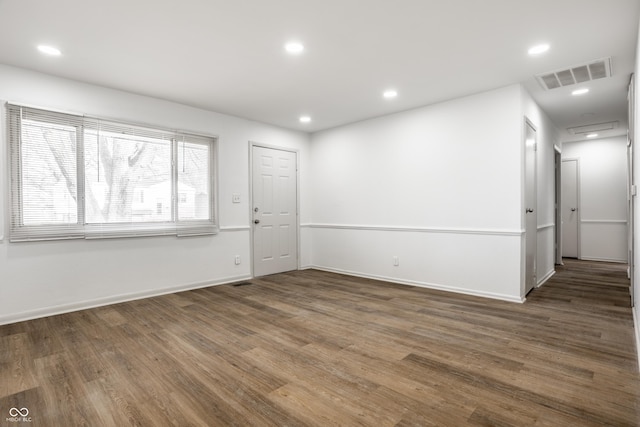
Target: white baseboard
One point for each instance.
(546, 278)
(586, 258)
(115, 299)
(427, 285)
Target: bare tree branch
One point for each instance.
(62, 163)
(133, 159)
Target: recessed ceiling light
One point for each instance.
(592, 135)
(294, 48)
(390, 94)
(580, 91)
(49, 50)
(538, 49)
(305, 119)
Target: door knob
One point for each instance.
(573, 209)
(529, 210)
(256, 221)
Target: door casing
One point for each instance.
(530, 206)
(631, 188)
(558, 205)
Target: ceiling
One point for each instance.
(228, 55)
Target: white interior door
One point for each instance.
(631, 187)
(531, 219)
(630, 216)
(558, 204)
(570, 209)
(275, 205)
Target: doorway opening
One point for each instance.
(530, 201)
(557, 206)
(570, 208)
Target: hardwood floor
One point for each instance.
(316, 348)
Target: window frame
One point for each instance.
(82, 229)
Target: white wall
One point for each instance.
(41, 278)
(603, 197)
(547, 138)
(440, 187)
(636, 205)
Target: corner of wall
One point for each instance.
(636, 208)
(636, 328)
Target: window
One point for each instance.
(74, 177)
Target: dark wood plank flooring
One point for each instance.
(320, 349)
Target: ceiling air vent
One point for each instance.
(598, 127)
(577, 74)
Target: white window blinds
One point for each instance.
(79, 177)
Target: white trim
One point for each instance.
(115, 299)
(236, 228)
(490, 232)
(545, 226)
(636, 327)
(529, 203)
(557, 204)
(427, 285)
(546, 278)
(618, 260)
(604, 221)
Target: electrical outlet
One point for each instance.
(396, 261)
(237, 260)
(235, 198)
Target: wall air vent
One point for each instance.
(577, 74)
(598, 127)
